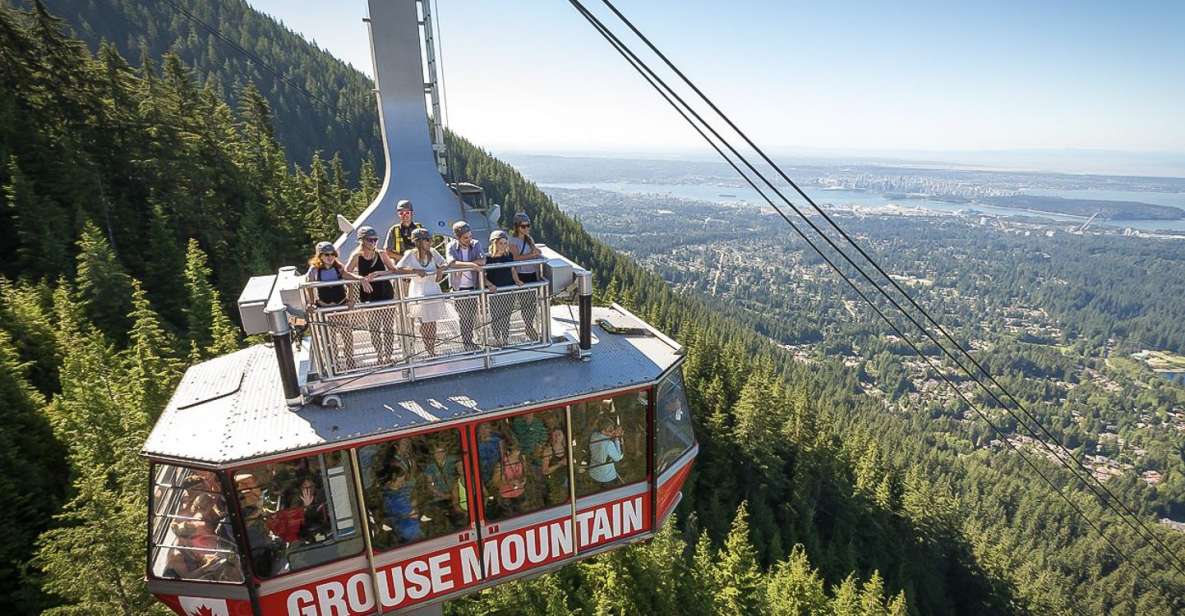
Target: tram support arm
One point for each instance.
(277, 319)
(585, 290)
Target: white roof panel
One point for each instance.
(232, 409)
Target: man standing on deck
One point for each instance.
(464, 249)
(399, 239)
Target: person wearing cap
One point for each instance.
(399, 238)
(370, 263)
(428, 267)
(523, 247)
(465, 259)
(498, 279)
(324, 266)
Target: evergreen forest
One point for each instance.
(147, 169)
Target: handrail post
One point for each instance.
(585, 289)
(278, 324)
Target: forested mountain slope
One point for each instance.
(136, 200)
(319, 103)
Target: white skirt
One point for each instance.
(429, 311)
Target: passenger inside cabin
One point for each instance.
(555, 461)
(401, 517)
(202, 536)
(460, 496)
(489, 450)
(530, 433)
(605, 451)
(510, 479)
(439, 472)
(311, 499)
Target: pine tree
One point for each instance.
(99, 535)
(103, 285)
(738, 580)
(795, 588)
(31, 466)
(872, 596)
(701, 589)
(612, 583)
(39, 226)
(661, 570)
(846, 600)
(317, 194)
(151, 356)
(210, 331)
(24, 314)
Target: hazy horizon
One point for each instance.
(1079, 89)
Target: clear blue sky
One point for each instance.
(531, 75)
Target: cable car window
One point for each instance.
(610, 442)
(414, 488)
(524, 463)
(672, 422)
(192, 536)
(299, 513)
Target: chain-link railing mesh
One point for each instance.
(414, 331)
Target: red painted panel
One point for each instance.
(668, 493)
(203, 606)
(406, 583)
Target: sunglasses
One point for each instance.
(371, 240)
(328, 254)
(524, 225)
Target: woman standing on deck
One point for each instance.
(369, 263)
(324, 266)
(429, 267)
(523, 247)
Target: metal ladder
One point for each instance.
(432, 88)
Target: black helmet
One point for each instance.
(420, 234)
(367, 232)
(521, 218)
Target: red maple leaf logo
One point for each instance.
(203, 611)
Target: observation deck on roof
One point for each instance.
(232, 408)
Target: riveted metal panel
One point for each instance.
(254, 421)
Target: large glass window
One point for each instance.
(672, 422)
(524, 463)
(610, 442)
(414, 488)
(192, 536)
(300, 513)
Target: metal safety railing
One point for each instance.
(358, 337)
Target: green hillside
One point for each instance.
(137, 200)
(319, 103)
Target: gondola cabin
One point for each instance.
(382, 455)
(352, 471)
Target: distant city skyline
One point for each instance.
(869, 79)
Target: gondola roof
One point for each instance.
(232, 408)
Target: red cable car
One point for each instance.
(384, 456)
(378, 494)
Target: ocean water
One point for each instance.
(733, 194)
